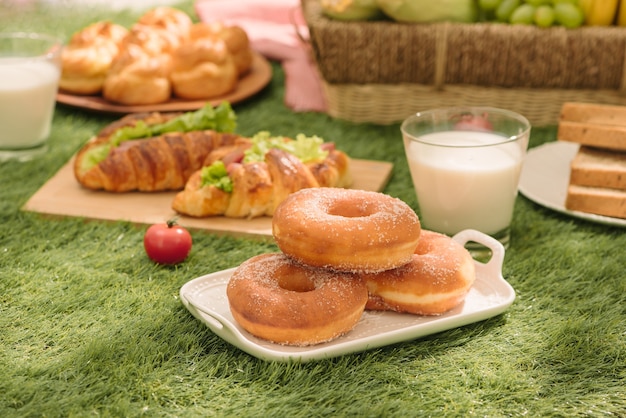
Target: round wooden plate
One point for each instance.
(259, 76)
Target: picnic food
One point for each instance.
(597, 200)
(211, 61)
(88, 56)
(596, 167)
(281, 296)
(346, 230)
(597, 182)
(153, 151)
(203, 67)
(251, 178)
(167, 243)
(162, 54)
(276, 299)
(436, 279)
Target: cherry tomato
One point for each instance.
(167, 243)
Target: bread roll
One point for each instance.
(202, 68)
(88, 57)
(138, 78)
(236, 40)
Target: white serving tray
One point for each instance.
(205, 297)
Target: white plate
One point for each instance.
(205, 297)
(545, 177)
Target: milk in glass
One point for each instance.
(462, 183)
(27, 94)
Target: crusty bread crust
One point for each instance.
(595, 167)
(602, 126)
(600, 201)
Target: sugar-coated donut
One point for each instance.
(284, 302)
(436, 280)
(346, 230)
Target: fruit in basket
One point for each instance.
(423, 11)
(524, 14)
(542, 13)
(568, 15)
(599, 13)
(351, 9)
(488, 5)
(620, 19)
(544, 16)
(506, 8)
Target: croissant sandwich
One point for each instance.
(154, 151)
(250, 178)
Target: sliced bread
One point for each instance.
(596, 125)
(599, 168)
(597, 200)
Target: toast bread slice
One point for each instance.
(596, 125)
(595, 167)
(596, 200)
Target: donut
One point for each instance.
(346, 230)
(281, 301)
(436, 280)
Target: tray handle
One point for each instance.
(210, 318)
(494, 265)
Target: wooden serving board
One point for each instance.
(62, 195)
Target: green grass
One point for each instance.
(90, 327)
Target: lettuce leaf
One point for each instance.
(216, 175)
(306, 148)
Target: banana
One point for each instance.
(621, 14)
(600, 12)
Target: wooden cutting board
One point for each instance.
(62, 195)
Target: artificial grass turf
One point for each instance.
(90, 327)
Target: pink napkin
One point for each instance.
(278, 31)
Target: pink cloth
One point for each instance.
(278, 31)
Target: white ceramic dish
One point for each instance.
(545, 177)
(205, 297)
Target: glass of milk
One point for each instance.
(465, 164)
(30, 68)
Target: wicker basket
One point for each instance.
(382, 71)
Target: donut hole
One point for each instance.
(348, 209)
(296, 283)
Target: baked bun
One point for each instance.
(88, 57)
(236, 40)
(152, 41)
(167, 19)
(138, 78)
(203, 67)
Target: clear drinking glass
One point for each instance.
(30, 68)
(465, 164)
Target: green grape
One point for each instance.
(537, 3)
(568, 15)
(544, 16)
(488, 5)
(574, 2)
(505, 9)
(523, 14)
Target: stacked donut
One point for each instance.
(344, 251)
(163, 54)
